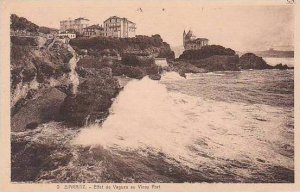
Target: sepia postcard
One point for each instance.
(160, 95)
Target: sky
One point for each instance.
(241, 27)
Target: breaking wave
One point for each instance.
(191, 131)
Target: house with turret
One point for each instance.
(190, 41)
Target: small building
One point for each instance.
(64, 39)
(69, 34)
(191, 42)
(93, 31)
(119, 27)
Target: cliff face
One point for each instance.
(45, 85)
(36, 73)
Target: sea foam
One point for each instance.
(193, 131)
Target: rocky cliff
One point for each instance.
(35, 72)
(132, 57)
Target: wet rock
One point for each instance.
(217, 63)
(92, 100)
(155, 76)
(32, 125)
(43, 108)
(282, 67)
(44, 149)
(251, 61)
(33, 69)
(129, 71)
(183, 68)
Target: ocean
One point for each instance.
(209, 127)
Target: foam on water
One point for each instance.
(171, 76)
(146, 117)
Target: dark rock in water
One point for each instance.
(209, 58)
(282, 67)
(32, 125)
(155, 77)
(43, 108)
(183, 68)
(137, 61)
(34, 152)
(251, 61)
(217, 63)
(129, 71)
(92, 100)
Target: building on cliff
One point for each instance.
(77, 24)
(119, 27)
(93, 31)
(68, 33)
(191, 42)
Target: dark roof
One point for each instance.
(81, 18)
(94, 27)
(116, 17)
(201, 39)
(68, 31)
(113, 17)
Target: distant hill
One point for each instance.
(275, 53)
(47, 30)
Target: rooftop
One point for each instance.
(94, 27)
(116, 17)
(81, 18)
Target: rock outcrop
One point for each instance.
(206, 52)
(93, 99)
(251, 61)
(282, 67)
(43, 107)
(38, 66)
(182, 68)
(218, 63)
(208, 58)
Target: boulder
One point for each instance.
(44, 107)
(183, 68)
(155, 76)
(251, 61)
